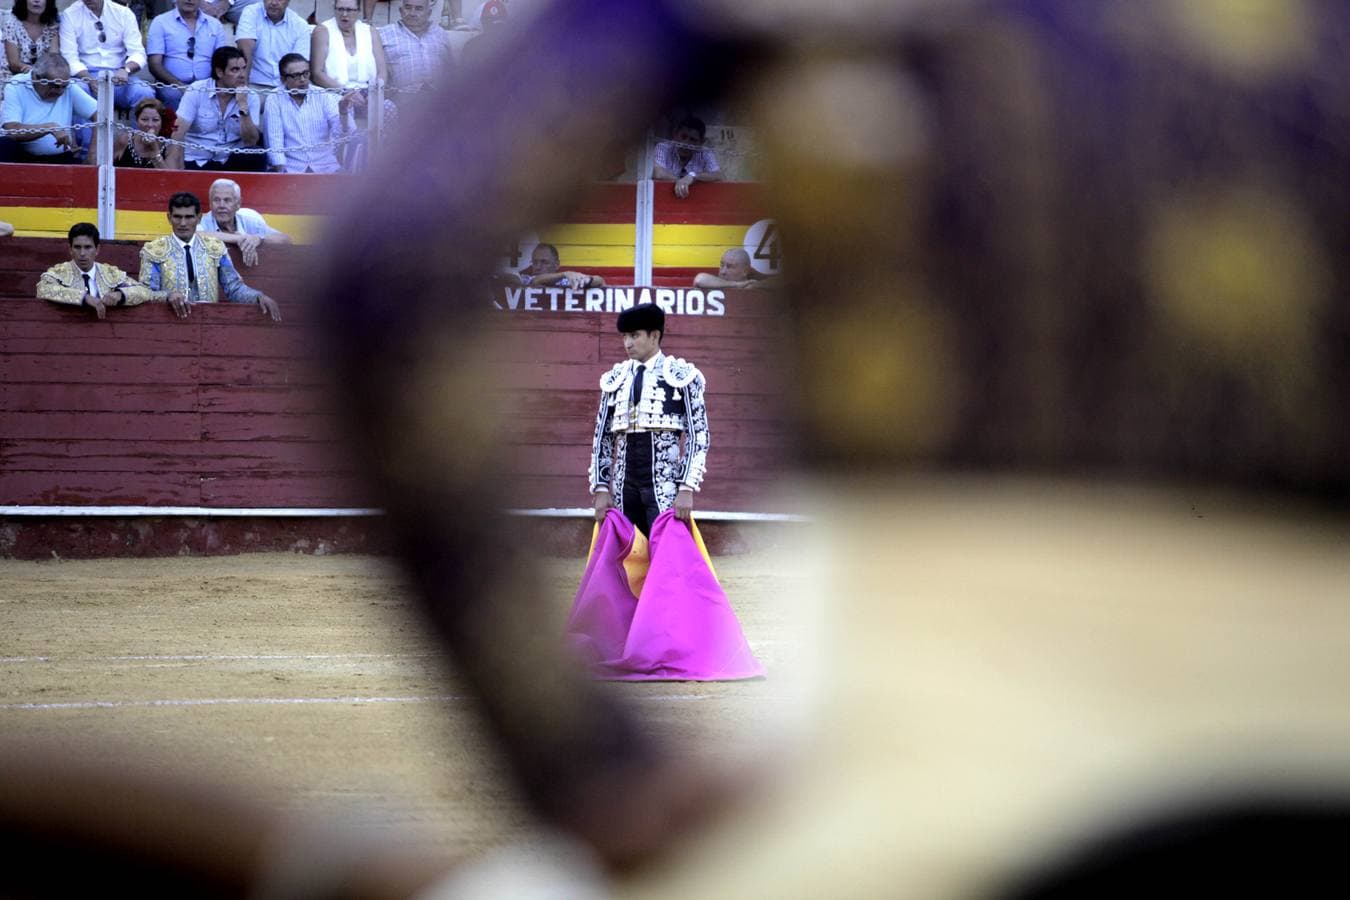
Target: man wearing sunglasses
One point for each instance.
(99, 36)
(180, 45)
(302, 122)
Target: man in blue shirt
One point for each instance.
(45, 113)
(267, 31)
(180, 45)
(218, 117)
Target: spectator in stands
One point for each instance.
(194, 268)
(103, 36)
(33, 30)
(143, 148)
(492, 17)
(220, 115)
(231, 223)
(735, 272)
(180, 46)
(685, 160)
(46, 112)
(266, 32)
(300, 126)
(223, 10)
(228, 10)
(486, 13)
(84, 281)
(545, 270)
(346, 53)
(416, 49)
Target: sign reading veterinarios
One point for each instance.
(675, 301)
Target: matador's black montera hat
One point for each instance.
(643, 317)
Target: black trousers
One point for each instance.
(639, 494)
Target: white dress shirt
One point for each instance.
(82, 48)
(91, 288)
(297, 133)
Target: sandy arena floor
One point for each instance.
(988, 674)
(306, 680)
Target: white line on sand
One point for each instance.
(280, 701)
(211, 658)
(225, 701)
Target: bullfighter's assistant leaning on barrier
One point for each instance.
(84, 281)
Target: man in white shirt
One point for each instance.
(99, 36)
(229, 222)
(301, 125)
(267, 31)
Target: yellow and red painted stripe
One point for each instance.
(688, 235)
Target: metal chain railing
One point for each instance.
(345, 138)
(107, 127)
(720, 150)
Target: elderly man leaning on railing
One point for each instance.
(194, 268)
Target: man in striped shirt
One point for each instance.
(299, 125)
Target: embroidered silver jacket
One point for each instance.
(671, 406)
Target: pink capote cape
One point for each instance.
(676, 625)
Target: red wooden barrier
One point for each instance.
(227, 410)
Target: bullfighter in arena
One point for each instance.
(649, 607)
(646, 404)
(195, 268)
(84, 281)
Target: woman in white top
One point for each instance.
(345, 52)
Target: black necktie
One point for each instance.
(637, 387)
(88, 289)
(192, 276)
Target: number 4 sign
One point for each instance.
(764, 247)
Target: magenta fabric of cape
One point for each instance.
(681, 629)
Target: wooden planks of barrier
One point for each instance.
(226, 410)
